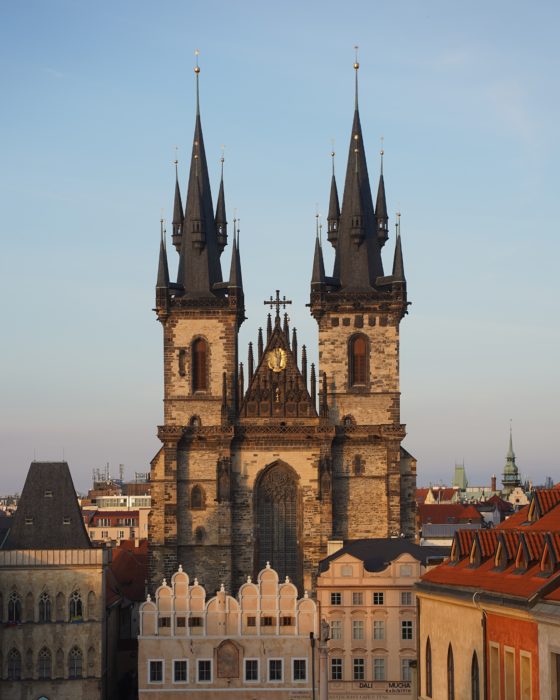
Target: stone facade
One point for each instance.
(52, 605)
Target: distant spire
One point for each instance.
(304, 364)
(510, 453)
(163, 270)
(318, 274)
(294, 345)
(398, 264)
(286, 329)
(260, 345)
(268, 327)
(333, 217)
(381, 216)
(177, 222)
(313, 385)
(251, 362)
(221, 220)
(235, 279)
(324, 410)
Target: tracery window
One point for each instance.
(277, 514)
(199, 365)
(75, 607)
(75, 663)
(44, 663)
(14, 665)
(357, 360)
(44, 607)
(14, 608)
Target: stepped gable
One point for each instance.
(277, 389)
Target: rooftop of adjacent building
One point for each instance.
(128, 574)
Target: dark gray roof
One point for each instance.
(377, 554)
(48, 515)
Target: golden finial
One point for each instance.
(197, 54)
(223, 149)
(398, 223)
(332, 155)
(356, 64)
(382, 153)
(176, 162)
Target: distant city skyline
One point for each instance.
(97, 97)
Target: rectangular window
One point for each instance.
(406, 629)
(357, 598)
(406, 671)
(251, 670)
(406, 597)
(357, 629)
(180, 674)
(48, 493)
(299, 669)
(358, 669)
(509, 674)
(286, 621)
(165, 622)
(378, 598)
(494, 672)
(525, 671)
(155, 672)
(379, 669)
(66, 521)
(336, 598)
(181, 622)
(268, 621)
(121, 534)
(336, 669)
(379, 629)
(336, 629)
(275, 670)
(204, 671)
(406, 570)
(195, 622)
(251, 621)
(29, 521)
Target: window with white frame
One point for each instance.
(336, 629)
(336, 669)
(525, 675)
(299, 669)
(357, 629)
(357, 598)
(378, 598)
(155, 671)
(204, 671)
(275, 670)
(406, 629)
(406, 597)
(379, 629)
(251, 670)
(180, 671)
(379, 669)
(406, 670)
(358, 669)
(336, 598)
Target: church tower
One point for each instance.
(200, 315)
(358, 310)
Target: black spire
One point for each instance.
(318, 276)
(333, 217)
(199, 263)
(381, 217)
(177, 222)
(235, 278)
(398, 265)
(221, 220)
(358, 255)
(163, 269)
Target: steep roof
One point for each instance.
(444, 513)
(48, 514)
(378, 553)
(128, 572)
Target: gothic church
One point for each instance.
(268, 460)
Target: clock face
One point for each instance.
(276, 359)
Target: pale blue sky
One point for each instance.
(94, 96)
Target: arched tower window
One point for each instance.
(200, 365)
(75, 663)
(428, 668)
(75, 607)
(358, 465)
(358, 360)
(278, 521)
(44, 663)
(198, 498)
(450, 674)
(14, 665)
(14, 608)
(475, 678)
(44, 607)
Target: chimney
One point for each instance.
(493, 483)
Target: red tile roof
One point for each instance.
(128, 572)
(444, 513)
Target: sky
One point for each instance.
(94, 99)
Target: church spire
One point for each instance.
(199, 262)
(358, 255)
(333, 217)
(318, 276)
(398, 264)
(381, 216)
(177, 222)
(221, 220)
(235, 278)
(163, 269)
(510, 477)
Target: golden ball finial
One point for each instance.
(381, 152)
(356, 65)
(333, 154)
(197, 70)
(356, 137)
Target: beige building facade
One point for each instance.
(254, 645)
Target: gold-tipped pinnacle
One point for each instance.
(356, 64)
(197, 68)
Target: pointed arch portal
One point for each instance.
(278, 521)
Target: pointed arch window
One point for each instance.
(450, 674)
(14, 608)
(428, 668)
(75, 607)
(75, 663)
(14, 665)
(475, 678)
(198, 498)
(44, 607)
(358, 360)
(200, 365)
(44, 663)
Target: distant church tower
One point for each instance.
(510, 477)
(267, 460)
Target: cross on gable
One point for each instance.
(277, 303)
